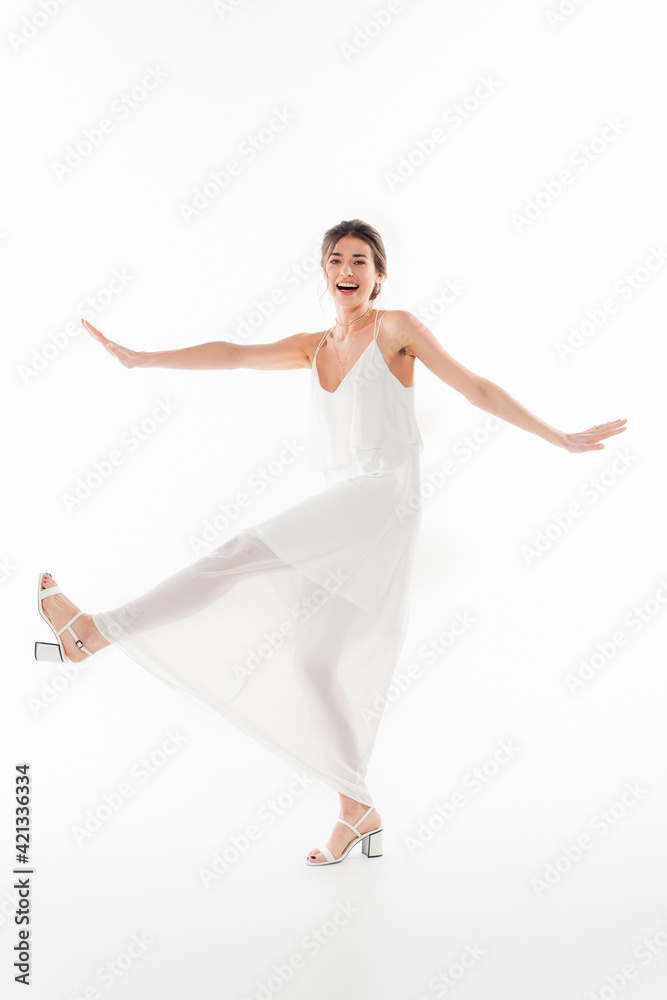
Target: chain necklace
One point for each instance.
(358, 320)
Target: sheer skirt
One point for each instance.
(295, 662)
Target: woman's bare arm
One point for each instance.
(416, 338)
(281, 355)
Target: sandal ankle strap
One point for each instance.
(73, 633)
(359, 821)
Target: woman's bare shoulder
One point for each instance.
(398, 326)
(310, 343)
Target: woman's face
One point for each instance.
(351, 263)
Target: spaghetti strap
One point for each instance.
(326, 332)
(375, 334)
(378, 321)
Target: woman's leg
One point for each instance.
(179, 596)
(318, 645)
(317, 657)
(197, 585)
(202, 582)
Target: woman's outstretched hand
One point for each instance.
(590, 440)
(127, 357)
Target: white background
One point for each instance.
(361, 99)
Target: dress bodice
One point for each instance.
(367, 423)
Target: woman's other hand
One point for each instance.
(127, 357)
(590, 440)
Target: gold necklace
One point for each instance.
(357, 320)
(343, 363)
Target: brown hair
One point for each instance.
(363, 231)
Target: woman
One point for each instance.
(292, 628)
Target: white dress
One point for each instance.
(292, 628)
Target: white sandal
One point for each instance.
(50, 650)
(371, 843)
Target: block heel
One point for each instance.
(372, 844)
(48, 651)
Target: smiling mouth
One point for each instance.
(347, 288)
